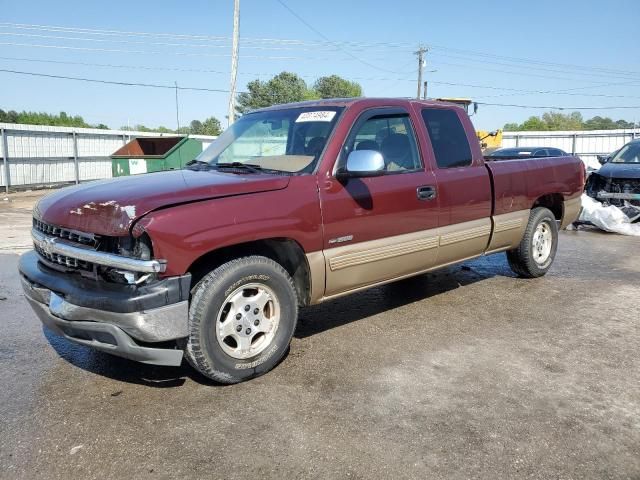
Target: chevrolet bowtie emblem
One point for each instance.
(46, 244)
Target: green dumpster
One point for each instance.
(154, 154)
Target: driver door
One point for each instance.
(379, 228)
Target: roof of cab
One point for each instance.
(347, 102)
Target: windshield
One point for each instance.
(630, 153)
(288, 140)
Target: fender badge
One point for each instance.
(346, 238)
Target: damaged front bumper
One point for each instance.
(623, 193)
(602, 195)
(124, 320)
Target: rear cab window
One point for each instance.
(448, 138)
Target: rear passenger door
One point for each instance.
(463, 184)
(378, 228)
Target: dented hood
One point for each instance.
(110, 207)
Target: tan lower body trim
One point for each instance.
(350, 268)
(463, 240)
(317, 276)
(357, 265)
(571, 211)
(354, 265)
(508, 230)
(394, 279)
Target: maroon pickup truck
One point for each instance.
(293, 205)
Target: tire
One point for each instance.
(537, 250)
(257, 296)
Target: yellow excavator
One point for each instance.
(489, 141)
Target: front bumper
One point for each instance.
(118, 319)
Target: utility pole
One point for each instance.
(177, 107)
(234, 61)
(424, 93)
(421, 62)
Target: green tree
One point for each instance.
(560, 121)
(624, 124)
(605, 123)
(195, 127)
(211, 126)
(334, 86)
(570, 121)
(42, 118)
(283, 88)
(533, 123)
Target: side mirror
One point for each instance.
(602, 159)
(364, 163)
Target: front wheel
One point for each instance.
(537, 250)
(241, 319)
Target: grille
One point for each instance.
(78, 237)
(84, 239)
(63, 260)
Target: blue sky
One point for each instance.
(489, 51)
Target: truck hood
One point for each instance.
(620, 170)
(110, 207)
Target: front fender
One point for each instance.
(183, 233)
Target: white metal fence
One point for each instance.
(34, 155)
(586, 144)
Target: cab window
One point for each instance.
(392, 136)
(448, 138)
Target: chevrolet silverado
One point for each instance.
(293, 205)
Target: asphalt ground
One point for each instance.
(465, 373)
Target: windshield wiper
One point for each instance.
(197, 165)
(239, 165)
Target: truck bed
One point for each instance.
(517, 182)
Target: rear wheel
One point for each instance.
(241, 319)
(537, 250)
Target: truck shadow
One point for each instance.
(121, 369)
(341, 311)
(313, 320)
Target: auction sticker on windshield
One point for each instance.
(319, 116)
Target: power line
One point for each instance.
(104, 40)
(172, 87)
(313, 29)
(262, 47)
(188, 70)
(113, 82)
(438, 63)
(187, 54)
(248, 45)
(476, 53)
(596, 73)
(332, 43)
(89, 31)
(111, 65)
(549, 107)
(515, 91)
(566, 91)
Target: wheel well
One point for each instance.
(553, 202)
(288, 253)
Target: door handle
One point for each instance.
(426, 192)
